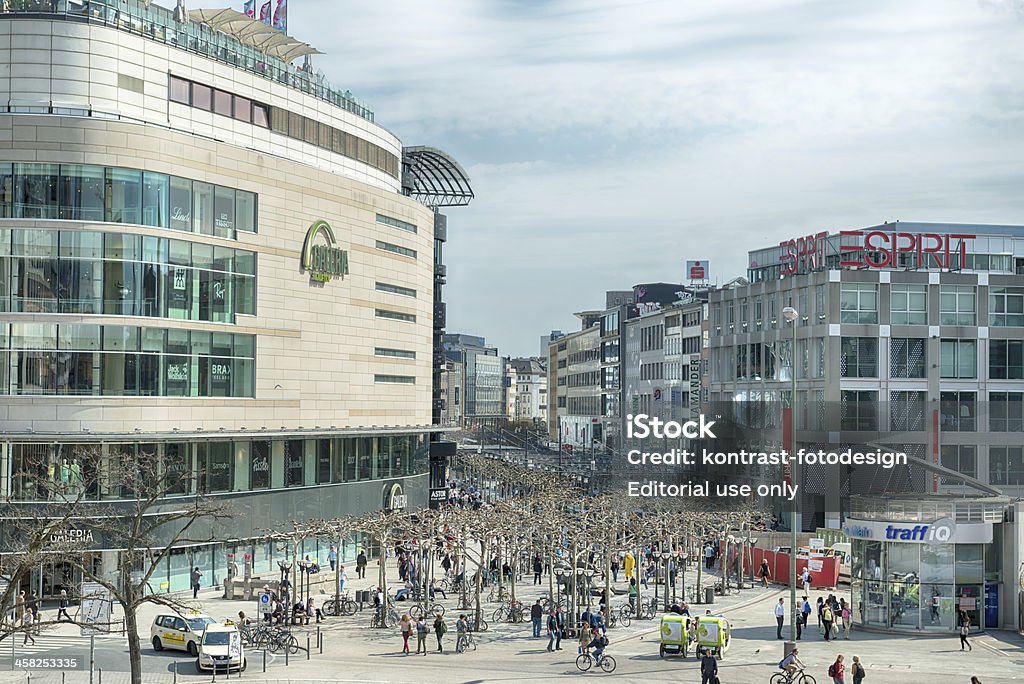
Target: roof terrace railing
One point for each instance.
(158, 23)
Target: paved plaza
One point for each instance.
(352, 652)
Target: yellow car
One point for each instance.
(221, 648)
(182, 633)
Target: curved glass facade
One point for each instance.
(41, 472)
(86, 272)
(82, 192)
(905, 586)
(115, 360)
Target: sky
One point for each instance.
(608, 142)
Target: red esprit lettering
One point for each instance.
(851, 248)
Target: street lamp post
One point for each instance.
(791, 315)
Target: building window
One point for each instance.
(957, 305)
(395, 379)
(396, 289)
(908, 304)
(859, 410)
(958, 359)
(1006, 411)
(962, 458)
(396, 249)
(858, 303)
(958, 411)
(395, 315)
(394, 353)
(907, 357)
(396, 223)
(294, 463)
(1006, 465)
(1006, 359)
(178, 90)
(819, 368)
(859, 357)
(819, 302)
(906, 411)
(259, 466)
(1006, 306)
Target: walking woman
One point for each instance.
(406, 626)
(439, 629)
(965, 628)
(421, 635)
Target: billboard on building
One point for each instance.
(697, 271)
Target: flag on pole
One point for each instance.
(281, 16)
(265, 12)
(250, 8)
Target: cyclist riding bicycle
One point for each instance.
(597, 644)
(791, 663)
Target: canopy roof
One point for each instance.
(434, 178)
(249, 31)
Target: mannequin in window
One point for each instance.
(65, 474)
(76, 476)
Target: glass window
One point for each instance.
(124, 189)
(35, 192)
(908, 304)
(1006, 359)
(260, 115)
(859, 357)
(961, 458)
(6, 190)
(243, 109)
(82, 192)
(202, 97)
(859, 410)
(224, 212)
(1006, 465)
(958, 359)
(957, 305)
(178, 90)
(907, 357)
(155, 199)
(221, 103)
(245, 211)
(181, 204)
(259, 472)
(178, 468)
(858, 303)
(220, 464)
(1006, 411)
(294, 463)
(323, 461)
(1006, 306)
(202, 208)
(958, 411)
(906, 411)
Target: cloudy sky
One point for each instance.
(607, 142)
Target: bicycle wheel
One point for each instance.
(349, 607)
(607, 663)
(583, 662)
(391, 620)
(515, 615)
(415, 612)
(437, 610)
(625, 620)
(329, 608)
(498, 615)
(482, 627)
(291, 643)
(806, 679)
(777, 678)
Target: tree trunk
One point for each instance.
(131, 627)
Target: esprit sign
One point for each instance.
(804, 254)
(880, 249)
(320, 257)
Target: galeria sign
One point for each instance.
(320, 257)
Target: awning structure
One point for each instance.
(248, 31)
(432, 177)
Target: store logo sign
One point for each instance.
(320, 258)
(939, 532)
(394, 497)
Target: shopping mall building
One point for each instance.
(909, 336)
(211, 259)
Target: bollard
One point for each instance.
(214, 669)
(101, 674)
(264, 660)
(175, 672)
(321, 644)
(286, 657)
(308, 651)
(62, 677)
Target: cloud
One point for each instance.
(609, 141)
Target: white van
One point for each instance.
(221, 649)
(841, 551)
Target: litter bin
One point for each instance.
(363, 596)
(709, 594)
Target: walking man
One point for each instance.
(538, 567)
(536, 614)
(708, 668)
(552, 629)
(332, 557)
(196, 579)
(780, 617)
(361, 565)
(62, 608)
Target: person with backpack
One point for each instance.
(836, 670)
(440, 629)
(708, 667)
(765, 573)
(857, 670)
(598, 644)
(827, 619)
(791, 663)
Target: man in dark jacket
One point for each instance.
(536, 614)
(708, 668)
